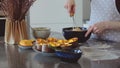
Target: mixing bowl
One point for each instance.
(68, 33)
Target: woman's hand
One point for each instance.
(98, 28)
(70, 6)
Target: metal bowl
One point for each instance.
(41, 32)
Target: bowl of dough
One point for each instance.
(79, 32)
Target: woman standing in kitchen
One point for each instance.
(104, 21)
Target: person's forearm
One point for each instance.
(113, 25)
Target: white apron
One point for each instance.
(105, 10)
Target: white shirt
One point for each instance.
(105, 10)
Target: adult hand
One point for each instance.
(70, 6)
(98, 28)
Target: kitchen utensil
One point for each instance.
(74, 23)
(75, 27)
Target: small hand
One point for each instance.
(97, 28)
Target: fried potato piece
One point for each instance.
(41, 41)
(26, 42)
(72, 40)
(51, 39)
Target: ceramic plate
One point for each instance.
(43, 53)
(25, 47)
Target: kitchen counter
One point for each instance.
(11, 56)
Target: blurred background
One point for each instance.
(51, 13)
